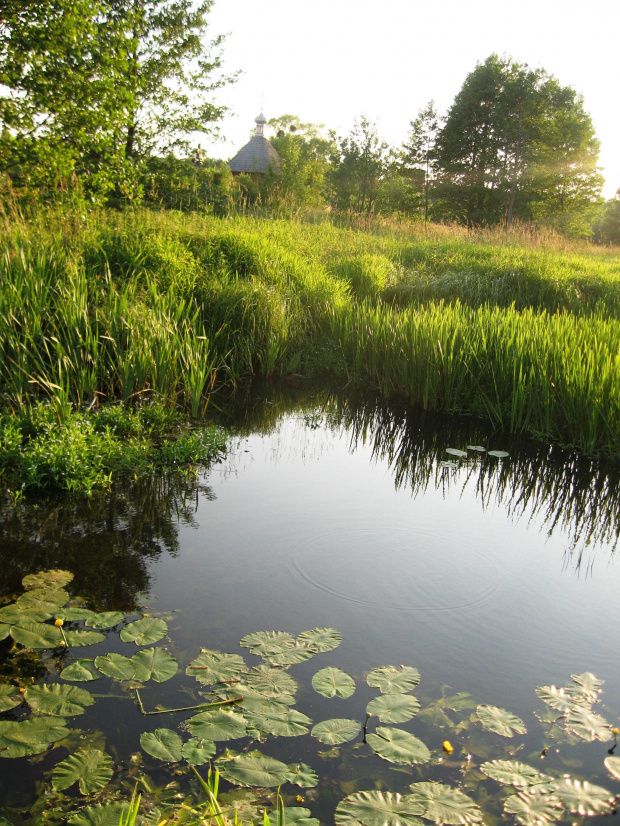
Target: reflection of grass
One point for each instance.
(169, 306)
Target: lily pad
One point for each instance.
(58, 700)
(14, 615)
(513, 773)
(53, 579)
(444, 804)
(394, 708)
(612, 764)
(453, 451)
(266, 643)
(297, 654)
(116, 666)
(336, 731)
(391, 680)
(33, 736)
(588, 725)
(101, 814)
(9, 697)
(197, 752)
(589, 685)
(332, 682)
(4, 630)
(271, 682)
(107, 619)
(81, 671)
(477, 448)
(145, 631)
(374, 808)
(584, 798)
(534, 807)
(556, 698)
(252, 769)
(499, 454)
(500, 721)
(91, 768)
(154, 664)
(36, 635)
(398, 746)
(217, 724)
(42, 599)
(323, 639)
(73, 614)
(77, 639)
(214, 667)
(293, 816)
(284, 723)
(163, 743)
(301, 774)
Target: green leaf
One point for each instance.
(217, 724)
(332, 682)
(253, 769)
(500, 721)
(4, 630)
(108, 619)
(323, 639)
(271, 682)
(533, 807)
(9, 697)
(297, 654)
(285, 723)
(556, 698)
(197, 752)
(77, 639)
(73, 614)
(163, 744)
(267, 643)
(588, 685)
(58, 700)
(477, 448)
(48, 579)
(443, 804)
(453, 451)
(336, 731)
(42, 599)
(145, 631)
(81, 671)
(20, 739)
(102, 814)
(398, 746)
(213, 667)
(302, 775)
(154, 664)
(513, 773)
(36, 635)
(391, 680)
(394, 708)
(16, 615)
(373, 808)
(587, 725)
(90, 767)
(294, 816)
(612, 764)
(116, 666)
(499, 454)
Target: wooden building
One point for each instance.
(257, 155)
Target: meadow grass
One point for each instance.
(111, 306)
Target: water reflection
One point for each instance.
(558, 488)
(107, 541)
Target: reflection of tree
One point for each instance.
(107, 541)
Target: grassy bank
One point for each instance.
(165, 306)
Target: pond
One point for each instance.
(492, 575)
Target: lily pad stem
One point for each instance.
(186, 708)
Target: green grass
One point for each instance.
(172, 307)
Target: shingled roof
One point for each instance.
(257, 155)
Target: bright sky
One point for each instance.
(328, 61)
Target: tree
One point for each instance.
(418, 154)
(358, 164)
(607, 228)
(305, 157)
(513, 141)
(91, 87)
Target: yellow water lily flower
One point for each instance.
(447, 747)
(58, 623)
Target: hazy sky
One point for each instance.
(328, 61)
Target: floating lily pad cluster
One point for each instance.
(472, 452)
(251, 703)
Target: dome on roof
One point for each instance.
(260, 119)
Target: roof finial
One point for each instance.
(260, 122)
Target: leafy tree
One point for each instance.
(305, 157)
(515, 142)
(607, 228)
(359, 162)
(418, 154)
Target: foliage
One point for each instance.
(358, 163)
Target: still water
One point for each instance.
(491, 577)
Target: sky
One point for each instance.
(330, 61)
